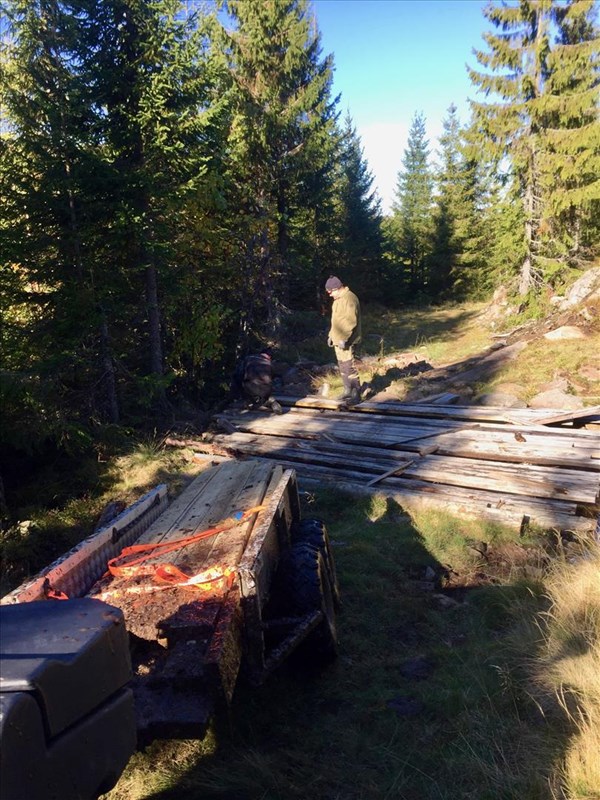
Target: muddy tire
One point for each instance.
(313, 531)
(304, 575)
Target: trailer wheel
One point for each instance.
(313, 531)
(304, 575)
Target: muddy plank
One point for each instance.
(210, 499)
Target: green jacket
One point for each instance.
(345, 319)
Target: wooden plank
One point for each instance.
(515, 516)
(505, 508)
(471, 413)
(468, 442)
(374, 459)
(442, 398)
(525, 480)
(515, 479)
(344, 430)
(227, 548)
(512, 452)
(229, 487)
(404, 423)
(484, 463)
(325, 454)
(406, 426)
(394, 471)
(591, 414)
(173, 522)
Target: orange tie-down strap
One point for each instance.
(123, 566)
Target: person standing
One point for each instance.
(344, 334)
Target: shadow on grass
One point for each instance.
(426, 699)
(410, 328)
(380, 382)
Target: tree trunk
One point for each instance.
(73, 225)
(156, 353)
(282, 247)
(526, 273)
(109, 373)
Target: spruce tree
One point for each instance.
(412, 210)
(543, 121)
(462, 232)
(570, 160)
(360, 217)
(283, 108)
(115, 135)
(50, 295)
(517, 55)
(446, 245)
(145, 62)
(473, 217)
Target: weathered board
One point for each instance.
(212, 498)
(476, 461)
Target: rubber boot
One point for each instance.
(274, 406)
(354, 392)
(345, 367)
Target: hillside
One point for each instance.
(486, 354)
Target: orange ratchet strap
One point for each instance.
(168, 573)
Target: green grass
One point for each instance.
(436, 332)
(545, 361)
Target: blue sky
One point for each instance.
(394, 58)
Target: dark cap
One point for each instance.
(333, 283)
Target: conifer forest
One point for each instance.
(177, 178)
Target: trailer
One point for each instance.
(143, 628)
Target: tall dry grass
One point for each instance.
(568, 665)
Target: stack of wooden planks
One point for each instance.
(503, 464)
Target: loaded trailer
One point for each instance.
(140, 630)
